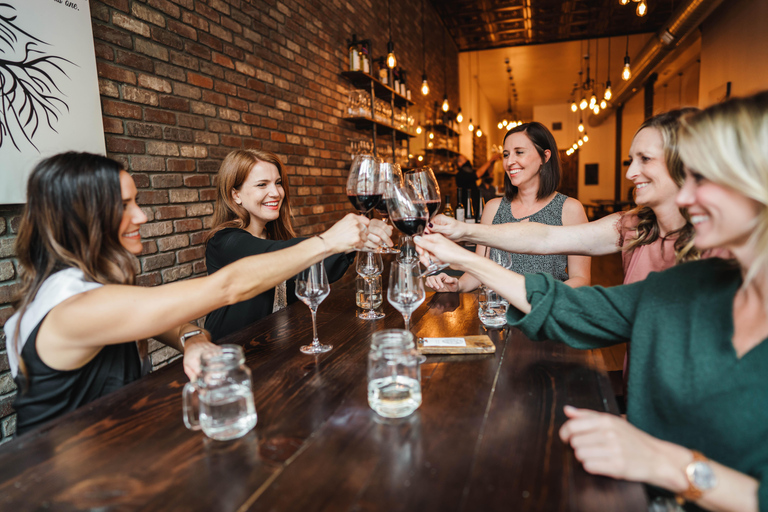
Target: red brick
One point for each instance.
(151, 279)
(170, 212)
(159, 116)
(206, 11)
(199, 267)
(134, 61)
(152, 197)
(173, 103)
(210, 42)
(8, 292)
(172, 242)
(103, 51)
(169, 8)
(198, 50)
(112, 125)
(195, 20)
(193, 253)
(182, 226)
(167, 38)
(237, 104)
(115, 73)
(191, 122)
(199, 80)
(208, 195)
(143, 130)
(112, 35)
(223, 60)
(196, 238)
(120, 145)
(197, 181)
(141, 181)
(120, 109)
(231, 141)
(147, 163)
(181, 165)
(157, 261)
(182, 29)
(215, 98)
(167, 181)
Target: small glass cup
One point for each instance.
(368, 297)
(394, 374)
(220, 401)
(492, 309)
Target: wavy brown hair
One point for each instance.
(233, 172)
(647, 230)
(71, 219)
(549, 173)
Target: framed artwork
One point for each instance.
(49, 93)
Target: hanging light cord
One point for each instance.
(423, 44)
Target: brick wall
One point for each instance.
(183, 82)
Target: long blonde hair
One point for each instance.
(71, 219)
(728, 144)
(647, 230)
(233, 172)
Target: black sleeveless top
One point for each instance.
(50, 393)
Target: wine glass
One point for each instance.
(424, 182)
(369, 266)
(312, 288)
(409, 215)
(406, 289)
(389, 173)
(363, 184)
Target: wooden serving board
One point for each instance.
(481, 344)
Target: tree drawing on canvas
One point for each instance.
(30, 99)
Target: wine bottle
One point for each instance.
(383, 71)
(354, 55)
(366, 61)
(469, 216)
(481, 201)
(448, 210)
(459, 207)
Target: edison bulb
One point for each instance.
(603, 105)
(419, 130)
(580, 142)
(424, 87)
(479, 132)
(581, 127)
(641, 8)
(459, 117)
(574, 106)
(583, 103)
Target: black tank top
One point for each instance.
(50, 393)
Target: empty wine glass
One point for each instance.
(389, 173)
(406, 289)
(312, 288)
(424, 182)
(409, 215)
(369, 264)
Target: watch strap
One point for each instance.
(184, 337)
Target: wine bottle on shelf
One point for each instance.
(469, 215)
(402, 83)
(448, 210)
(365, 58)
(354, 55)
(396, 80)
(459, 206)
(383, 71)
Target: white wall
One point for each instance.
(734, 47)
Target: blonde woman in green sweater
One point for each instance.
(698, 385)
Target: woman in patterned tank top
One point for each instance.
(532, 169)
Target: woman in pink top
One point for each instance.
(652, 237)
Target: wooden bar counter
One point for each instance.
(484, 439)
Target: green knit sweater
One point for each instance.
(686, 384)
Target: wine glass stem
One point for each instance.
(315, 341)
(407, 320)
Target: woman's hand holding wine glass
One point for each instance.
(424, 182)
(408, 212)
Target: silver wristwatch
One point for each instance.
(184, 337)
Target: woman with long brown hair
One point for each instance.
(73, 336)
(253, 216)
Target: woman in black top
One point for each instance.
(253, 216)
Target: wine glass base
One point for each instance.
(433, 269)
(369, 315)
(387, 250)
(315, 349)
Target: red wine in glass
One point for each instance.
(364, 202)
(381, 207)
(410, 225)
(432, 207)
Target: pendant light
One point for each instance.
(581, 125)
(471, 126)
(642, 8)
(608, 92)
(479, 132)
(391, 59)
(459, 116)
(445, 107)
(626, 73)
(424, 83)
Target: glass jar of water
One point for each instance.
(394, 374)
(220, 401)
(492, 308)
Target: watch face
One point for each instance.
(701, 475)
